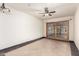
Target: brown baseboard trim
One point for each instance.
(74, 49)
(71, 41)
(58, 39)
(18, 46)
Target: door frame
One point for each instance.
(56, 22)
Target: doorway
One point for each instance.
(58, 30)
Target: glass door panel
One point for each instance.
(57, 30)
(51, 32)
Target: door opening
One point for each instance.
(58, 30)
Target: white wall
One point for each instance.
(76, 28)
(19, 27)
(61, 19)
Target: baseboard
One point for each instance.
(74, 49)
(19, 45)
(58, 39)
(71, 41)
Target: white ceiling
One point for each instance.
(62, 9)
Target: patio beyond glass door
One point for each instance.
(58, 30)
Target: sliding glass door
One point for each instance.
(58, 30)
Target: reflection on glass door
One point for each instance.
(58, 30)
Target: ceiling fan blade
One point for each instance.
(49, 14)
(52, 12)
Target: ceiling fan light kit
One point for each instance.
(3, 9)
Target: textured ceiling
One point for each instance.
(62, 9)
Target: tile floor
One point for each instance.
(43, 47)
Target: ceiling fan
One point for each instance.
(4, 9)
(47, 12)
